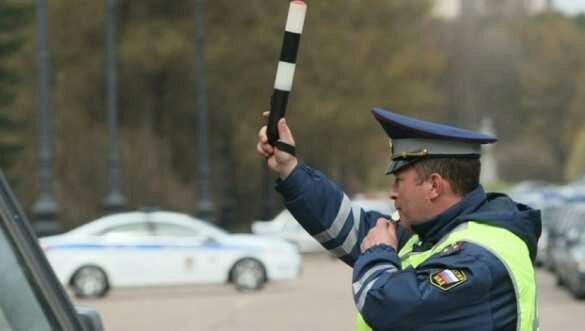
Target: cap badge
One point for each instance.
(415, 153)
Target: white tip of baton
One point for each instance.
(296, 16)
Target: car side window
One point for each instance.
(163, 229)
(128, 230)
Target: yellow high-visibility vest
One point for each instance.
(506, 246)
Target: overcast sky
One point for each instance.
(571, 6)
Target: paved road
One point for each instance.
(319, 300)
(558, 309)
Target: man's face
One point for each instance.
(411, 197)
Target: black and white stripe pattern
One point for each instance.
(286, 66)
(347, 212)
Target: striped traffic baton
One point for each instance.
(285, 71)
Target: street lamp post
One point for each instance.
(115, 200)
(229, 187)
(205, 207)
(550, 4)
(45, 209)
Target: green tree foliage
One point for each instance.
(12, 19)
(552, 77)
(481, 78)
(352, 57)
(523, 71)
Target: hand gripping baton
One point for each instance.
(286, 68)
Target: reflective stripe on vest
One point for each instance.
(505, 245)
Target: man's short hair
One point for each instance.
(462, 174)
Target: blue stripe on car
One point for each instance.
(145, 246)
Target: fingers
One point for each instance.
(262, 136)
(382, 233)
(284, 132)
(263, 147)
(382, 222)
(260, 150)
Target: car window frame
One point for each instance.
(49, 292)
(155, 229)
(147, 224)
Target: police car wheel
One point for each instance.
(560, 281)
(248, 275)
(89, 282)
(579, 293)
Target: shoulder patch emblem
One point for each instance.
(452, 249)
(448, 279)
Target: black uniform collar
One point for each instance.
(431, 231)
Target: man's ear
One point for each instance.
(437, 186)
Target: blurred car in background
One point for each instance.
(568, 249)
(285, 226)
(563, 220)
(537, 194)
(573, 274)
(549, 216)
(164, 248)
(541, 194)
(556, 203)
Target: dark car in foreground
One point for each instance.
(31, 298)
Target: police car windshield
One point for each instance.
(214, 229)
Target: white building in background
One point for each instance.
(451, 9)
(447, 9)
(537, 6)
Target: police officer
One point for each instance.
(459, 258)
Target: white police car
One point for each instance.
(164, 248)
